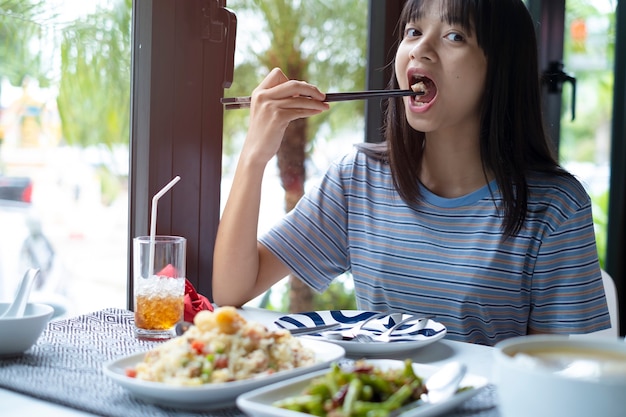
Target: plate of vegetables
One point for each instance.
(372, 387)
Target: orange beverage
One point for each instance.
(160, 312)
(159, 285)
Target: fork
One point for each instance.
(386, 336)
(354, 330)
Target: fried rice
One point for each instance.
(222, 346)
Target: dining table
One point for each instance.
(62, 374)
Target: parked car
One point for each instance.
(24, 245)
(16, 188)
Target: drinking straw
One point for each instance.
(155, 201)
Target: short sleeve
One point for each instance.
(312, 239)
(567, 289)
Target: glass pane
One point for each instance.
(342, 31)
(585, 141)
(64, 114)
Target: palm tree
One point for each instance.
(303, 41)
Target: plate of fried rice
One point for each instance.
(218, 358)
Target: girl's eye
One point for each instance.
(455, 37)
(411, 33)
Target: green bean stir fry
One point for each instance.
(360, 391)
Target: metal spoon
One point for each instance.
(354, 335)
(386, 336)
(440, 386)
(353, 331)
(181, 327)
(17, 307)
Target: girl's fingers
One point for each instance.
(277, 86)
(276, 102)
(274, 78)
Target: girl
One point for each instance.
(462, 212)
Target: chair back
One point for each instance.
(611, 299)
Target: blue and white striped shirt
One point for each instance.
(446, 256)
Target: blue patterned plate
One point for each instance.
(405, 338)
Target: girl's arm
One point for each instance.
(242, 268)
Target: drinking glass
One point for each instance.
(159, 285)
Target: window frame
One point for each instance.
(176, 126)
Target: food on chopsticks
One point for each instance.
(222, 346)
(419, 87)
(361, 390)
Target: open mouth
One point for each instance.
(423, 84)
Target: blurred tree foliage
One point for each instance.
(94, 92)
(339, 296)
(589, 51)
(22, 26)
(600, 208)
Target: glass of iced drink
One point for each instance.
(159, 285)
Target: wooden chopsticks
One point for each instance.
(231, 103)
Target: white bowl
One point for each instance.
(548, 375)
(17, 335)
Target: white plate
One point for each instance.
(215, 395)
(404, 339)
(258, 403)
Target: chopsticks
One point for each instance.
(231, 103)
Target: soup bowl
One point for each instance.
(549, 375)
(18, 334)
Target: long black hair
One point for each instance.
(513, 140)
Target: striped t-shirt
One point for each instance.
(446, 256)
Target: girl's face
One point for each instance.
(452, 68)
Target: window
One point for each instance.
(55, 121)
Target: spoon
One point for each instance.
(17, 307)
(353, 332)
(181, 327)
(386, 336)
(354, 335)
(445, 382)
(440, 386)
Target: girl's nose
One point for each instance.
(422, 49)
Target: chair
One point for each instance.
(611, 299)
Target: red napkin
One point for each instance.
(168, 271)
(194, 302)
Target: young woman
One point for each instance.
(462, 212)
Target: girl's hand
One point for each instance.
(275, 103)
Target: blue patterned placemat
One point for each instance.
(65, 367)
